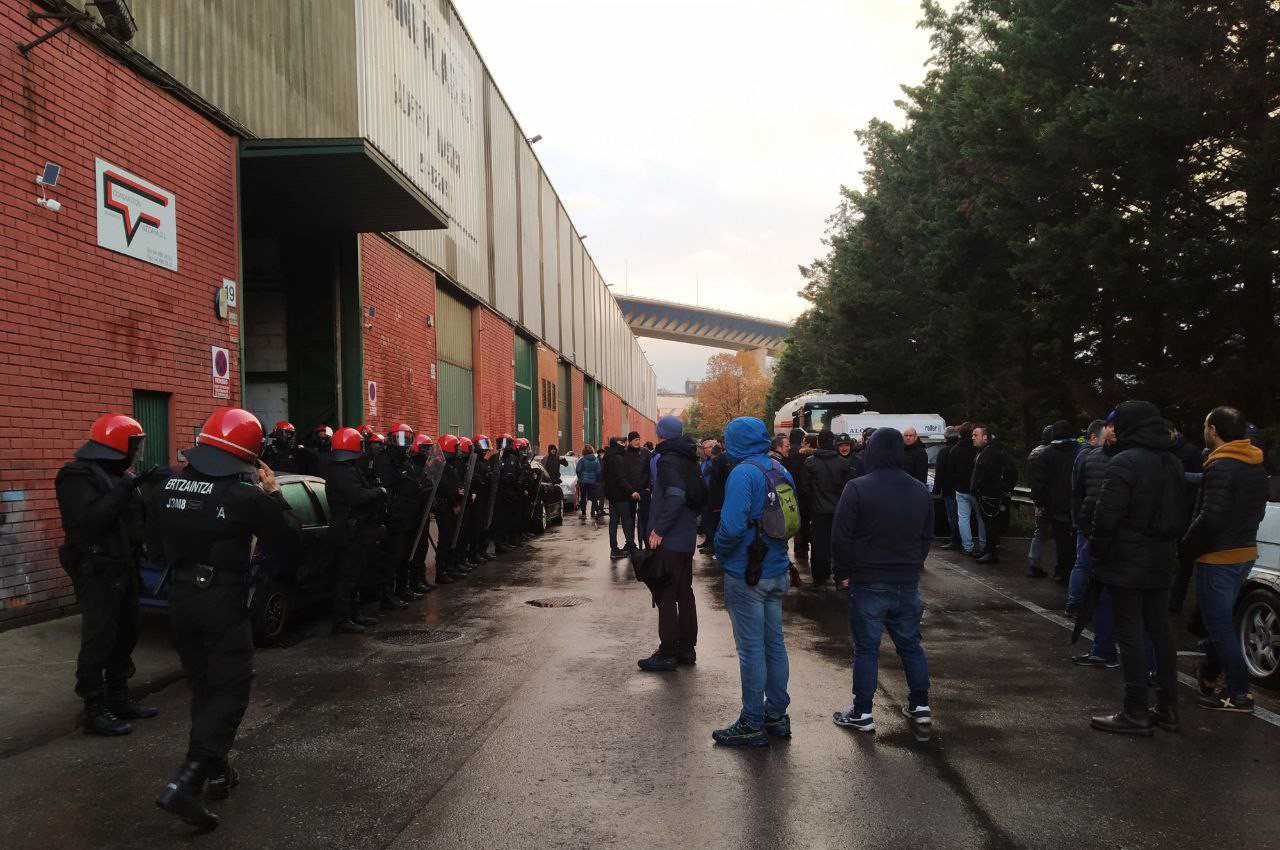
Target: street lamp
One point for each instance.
(535, 139)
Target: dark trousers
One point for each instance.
(446, 524)
(802, 539)
(215, 643)
(1064, 542)
(995, 520)
(1137, 611)
(108, 633)
(677, 613)
(395, 564)
(820, 540)
(622, 514)
(418, 561)
(642, 520)
(1182, 581)
(346, 577)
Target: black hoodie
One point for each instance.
(884, 522)
(1135, 527)
(617, 475)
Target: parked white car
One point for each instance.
(1258, 609)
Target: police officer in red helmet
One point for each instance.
(355, 505)
(201, 524)
(102, 516)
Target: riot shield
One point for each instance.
(493, 490)
(466, 499)
(432, 471)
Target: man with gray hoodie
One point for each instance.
(880, 539)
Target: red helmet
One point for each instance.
(365, 430)
(401, 435)
(347, 444)
(322, 430)
(422, 444)
(506, 442)
(282, 425)
(228, 443)
(521, 444)
(375, 437)
(464, 445)
(449, 444)
(112, 436)
(481, 442)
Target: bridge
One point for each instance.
(702, 326)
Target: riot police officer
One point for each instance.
(281, 453)
(102, 518)
(201, 524)
(477, 526)
(450, 496)
(399, 476)
(354, 506)
(318, 452)
(506, 522)
(528, 488)
(423, 446)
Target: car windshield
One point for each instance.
(295, 493)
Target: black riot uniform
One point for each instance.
(417, 572)
(475, 531)
(507, 524)
(102, 517)
(401, 479)
(201, 525)
(285, 458)
(448, 502)
(528, 493)
(354, 505)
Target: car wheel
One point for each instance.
(540, 518)
(271, 615)
(560, 516)
(1258, 625)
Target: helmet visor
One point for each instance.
(403, 439)
(483, 445)
(137, 449)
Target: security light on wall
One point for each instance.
(535, 139)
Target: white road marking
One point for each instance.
(1258, 711)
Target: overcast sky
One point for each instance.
(700, 145)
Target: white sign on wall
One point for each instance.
(136, 217)
(220, 361)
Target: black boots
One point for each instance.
(126, 709)
(419, 585)
(184, 797)
(347, 627)
(1125, 723)
(99, 719)
(223, 782)
(391, 602)
(988, 557)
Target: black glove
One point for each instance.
(138, 480)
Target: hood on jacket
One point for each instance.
(1241, 450)
(796, 437)
(681, 445)
(746, 436)
(1062, 432)
(1140, 424)
(886, 450)
(1046, 436)
(616, 446)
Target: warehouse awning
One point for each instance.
(314, 186)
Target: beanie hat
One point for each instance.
(634, 435)
(669, 427)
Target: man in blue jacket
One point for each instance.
(754, 609)
(879, 541)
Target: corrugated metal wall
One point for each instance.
(550, 265)
(453, 330)
(506, 212)
(564, 256)
(530, 243)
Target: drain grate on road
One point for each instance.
(418, 637)
(558, 601)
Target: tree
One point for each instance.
(734, 386)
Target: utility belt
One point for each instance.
(206, 575)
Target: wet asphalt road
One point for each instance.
(529, 727)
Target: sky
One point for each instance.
(700, 145)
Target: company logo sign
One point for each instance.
(136, 217)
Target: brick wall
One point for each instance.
(578, 414)
(548, 420)
(495, 378)
(646, 426)
(399, 350)
(82, 327)
(611, 421)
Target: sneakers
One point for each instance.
(740, 734)
(850, 719)
(1091, 660)
(1220, 701)
(778, 727)
(617, 554)
(657, 663)
(919, 713)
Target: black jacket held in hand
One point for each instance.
(823, 478)
(1230, 505)
(618, 485)
(884, 522)
(1141, 508)
(915, 460)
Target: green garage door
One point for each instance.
(152, 412)
(568, 440)
(455, 378)
(526, 377)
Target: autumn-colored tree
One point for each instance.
(734, 386)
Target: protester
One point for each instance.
(824, 475)
(673, 535)
(794, 464)
(755, 608)
(962, 458)
(552, 461)
(588, 470)
(638, 458)
(1055, 495)
(1080, 488)
(779, 447)
(1091, 465)
(881, 536)
(1140, 511)
(1222, 539)
(994, 478)
(707, 521)
(844, 448)
(1192, 465)
(916, 459)
(623, 497)
(944, 485)
(1035, 477)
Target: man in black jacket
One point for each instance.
(824, 476)
(1035, 478)
(1054, 496)
(623, 497)
(962, 458)
(1086, 481)
(1139, 513)
(638, 472)
(354, 505)
(1223, 540)
(916, 459)
(991, 488)
(944, 486)
(794, 464)
(1192, 463)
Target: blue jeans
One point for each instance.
(1217, 589)
(624, 514)
(1104, 622)
(756, 614)
(877, 606)
(1079, 573)
(1037, 540)
(953, 520)
(966, 508)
